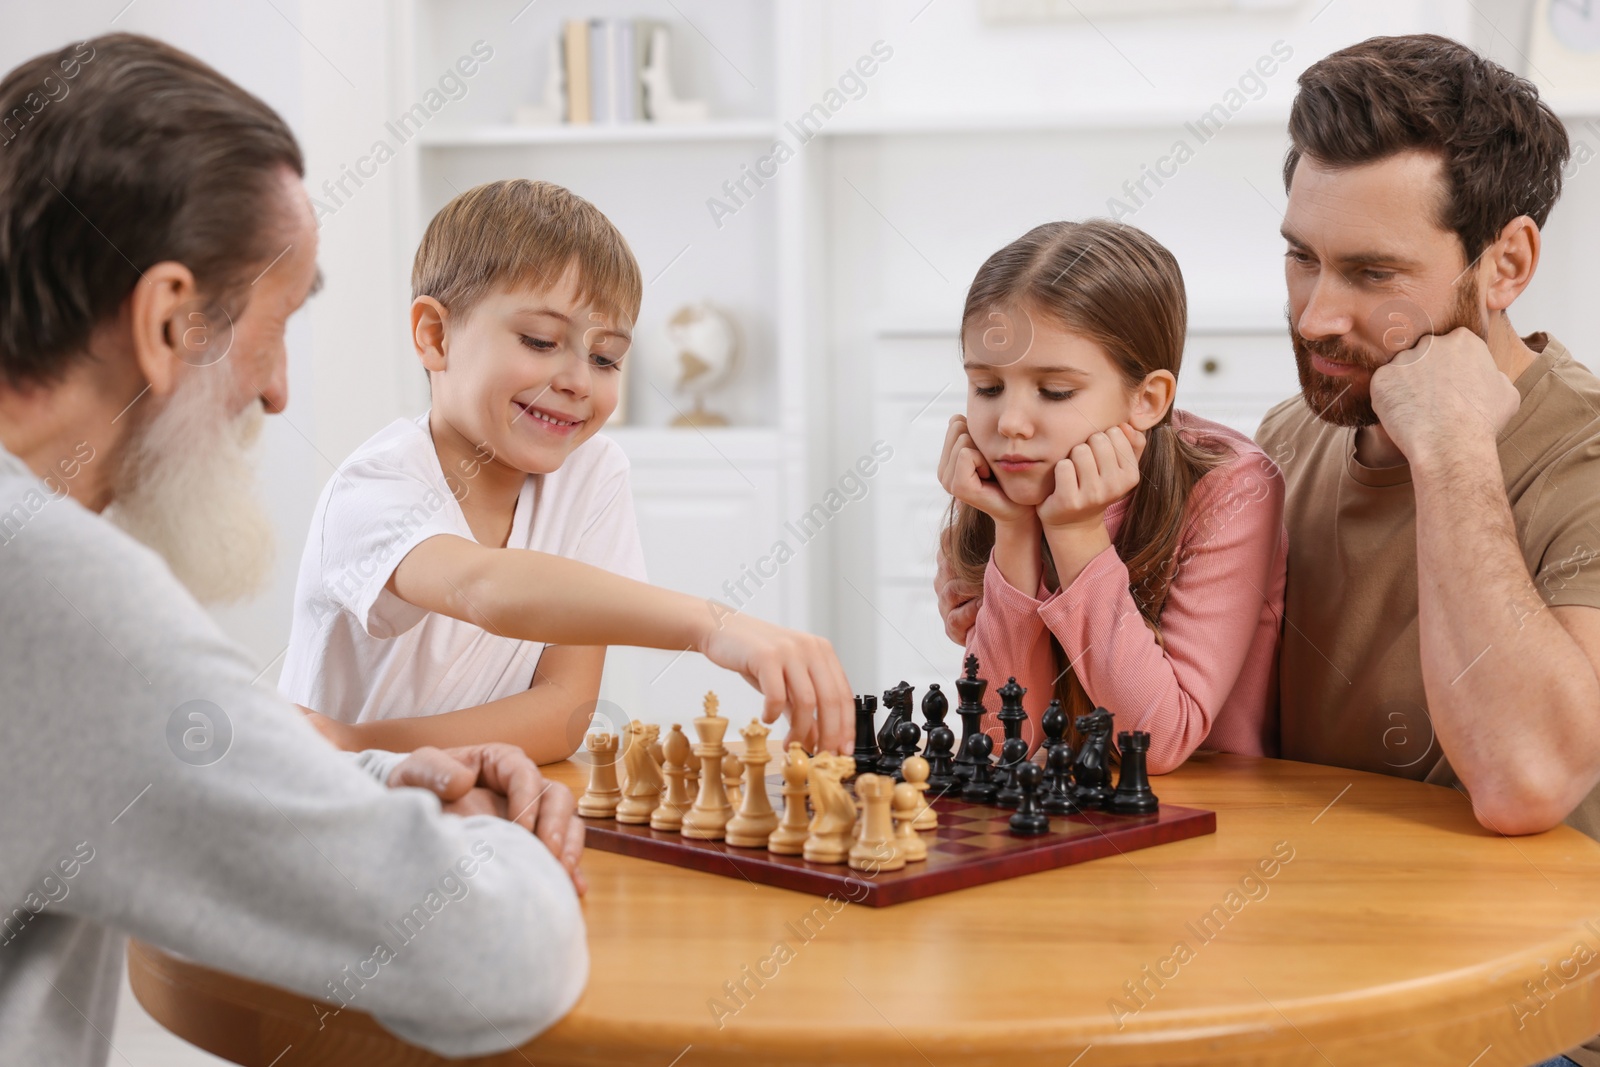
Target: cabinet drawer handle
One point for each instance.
(1211, 365)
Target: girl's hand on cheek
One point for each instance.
(965, 475)
(1095, 474)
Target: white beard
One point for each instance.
(185, 486)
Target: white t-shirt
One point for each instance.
(357, 652)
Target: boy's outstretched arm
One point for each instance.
(547, 720)
(535, 596)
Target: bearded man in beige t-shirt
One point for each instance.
(1442, 472)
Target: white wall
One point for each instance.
(902, 243)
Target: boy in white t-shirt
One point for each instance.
(466, 569)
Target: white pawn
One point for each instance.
(915, 772)
(907, 842)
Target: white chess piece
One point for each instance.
(660, 104)
(552, 108)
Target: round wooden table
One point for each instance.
(1335, 917)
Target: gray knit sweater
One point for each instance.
(148, 787)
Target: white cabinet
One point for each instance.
(1235, 376)
(708, 509)
(917, 385)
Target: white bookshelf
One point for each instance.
(685, 133)
(1112, 116)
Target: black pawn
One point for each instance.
(941, 742)
(906, 735)
(1012, 715)
(970, 709)
(980, 788)
(906, 742)
(1133, 795)
(1029, 820)
(1058, 798)
(1013, 757)
(866, 750)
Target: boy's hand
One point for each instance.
(965, 475)
(1095, 474)
(797, 672)
(499, 779)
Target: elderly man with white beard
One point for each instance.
(154, 239)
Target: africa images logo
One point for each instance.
(199, 733)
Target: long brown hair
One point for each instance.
(1118, 287)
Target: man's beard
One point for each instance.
(1347, 400)
(185, 486)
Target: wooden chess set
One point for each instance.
(888, 823)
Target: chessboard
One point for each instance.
(972, 845)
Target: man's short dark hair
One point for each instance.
(1501, 146)
(118, 153)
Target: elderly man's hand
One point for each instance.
(1443, 396)
(499, 779)
(958, 600)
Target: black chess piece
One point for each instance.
(1058, 798)
(1091, 768)
(897, 703)
(866, 750)
(1054, 723)
(1133, 795)
(906, 735)
(906, 743)
(980, 788)
(1013, 757)
(1029, 820)
(971, 689)
(941, 742)
(1012, 715)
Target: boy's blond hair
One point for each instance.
(521, 233)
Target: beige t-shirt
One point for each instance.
(1350, 665)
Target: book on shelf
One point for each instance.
(604, 63)
(575, 57)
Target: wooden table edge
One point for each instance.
(229, 1016)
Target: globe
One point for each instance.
(701, 355)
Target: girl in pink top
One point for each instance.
(1132, 556)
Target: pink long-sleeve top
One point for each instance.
(1212, 678)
